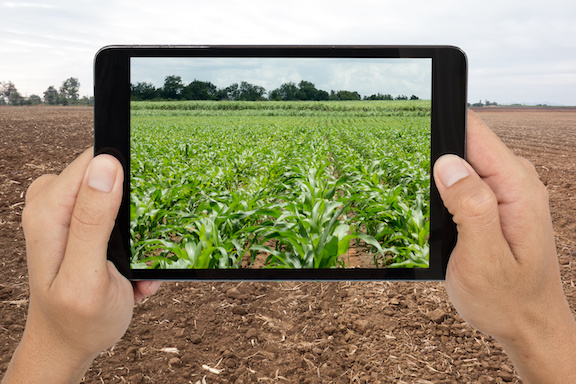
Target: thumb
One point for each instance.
(474, 207)
(94, 216)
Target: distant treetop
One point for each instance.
(175, 89)
(66, 95)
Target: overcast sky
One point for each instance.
(518, 51)
(366, 76)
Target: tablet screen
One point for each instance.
(280, 163)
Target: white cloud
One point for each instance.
(43, 43)
(9, 4)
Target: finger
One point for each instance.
(38, 186)
(46, 218)
(509, 177)
(143, 289)
(123, 285)
(93, 217)
(483, 146)
(474, 208)
(491, 158)
(59, 192)
(59, 189)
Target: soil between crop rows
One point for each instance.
(283, 332)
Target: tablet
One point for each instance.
(280, 162)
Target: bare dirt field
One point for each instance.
(281, 332)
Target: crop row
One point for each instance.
(233, 190)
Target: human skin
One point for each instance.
(503, 276)
(79, 303)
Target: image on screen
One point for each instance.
(280, 163)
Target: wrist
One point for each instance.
(38, 359)
(543, 346)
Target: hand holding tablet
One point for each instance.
(280, 162)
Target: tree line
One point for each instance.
(175, 89)
(485, 104)
(67, 94)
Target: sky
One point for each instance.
(518, 51)
(368, 77)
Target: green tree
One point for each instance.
(344, 95)
(173, 87)
(51, 96)
(85, 100)
(15, 98)
(200, 90)
(232, 92)
(143, 91)
(69, 91)
(274, 95)
(322, 95)
(221, 94)
(250, 92)
(379, 96)
(306, 91)
(287, 91)
(3, 93)
(9, 94)
(34, 100)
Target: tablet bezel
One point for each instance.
(448, 122)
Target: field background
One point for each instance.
(285, 332)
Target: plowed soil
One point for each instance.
(281, 332)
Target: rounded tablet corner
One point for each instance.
(101, 52)
(459, 52)
(104, 53)
(113, 152)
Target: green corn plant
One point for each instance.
(311, 178)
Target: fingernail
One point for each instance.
(154, 285)
(102, 174)
(451, 169)
(149, 288)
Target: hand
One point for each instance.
(79, 303)
(503, 275)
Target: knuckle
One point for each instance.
(531, 181)
(41, 203)
(87, 222)
(541, 190)
(33, 215)
(85, 303)
(28, 215)
(478, 203)
(38, 186)
(529, 172)
(527, 165)
(81, 306)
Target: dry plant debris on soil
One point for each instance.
(281, 332)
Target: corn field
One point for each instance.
(280, 184)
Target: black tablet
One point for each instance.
(280, 162)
